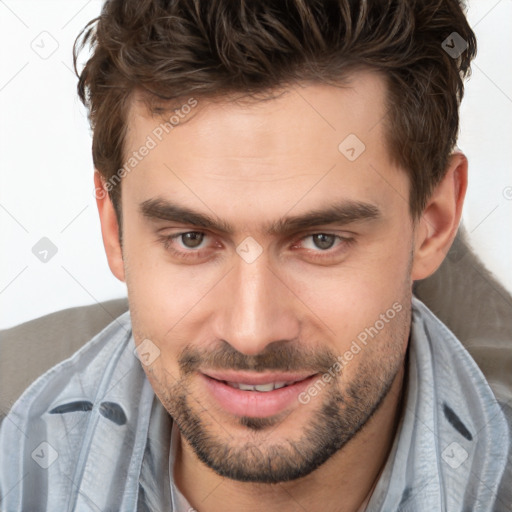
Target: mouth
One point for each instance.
(256, 395)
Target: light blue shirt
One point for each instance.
(91, 435)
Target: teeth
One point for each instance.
(258, 387)
(264, 387)
(248, 387)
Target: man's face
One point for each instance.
(258, 298)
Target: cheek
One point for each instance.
(164, 382)
(351, 298)
(161, 293)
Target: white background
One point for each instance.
(46, 166)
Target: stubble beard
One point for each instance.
(340, 417)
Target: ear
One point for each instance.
(440, 220)
(109, 227)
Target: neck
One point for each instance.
(342, 484)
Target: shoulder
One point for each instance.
(77, 416)
(86, 365)
(30, 349)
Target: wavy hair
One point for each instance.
(170, 49)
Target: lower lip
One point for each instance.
(255, 404)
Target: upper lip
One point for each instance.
(253, 378)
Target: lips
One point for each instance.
(253, 394)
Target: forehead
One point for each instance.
(327, 139)
(357, 103)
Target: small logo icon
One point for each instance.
(44, 250)
(454, 455)
(147, 352)
(45, 455)
(351, 147)
(45, 45)
(454, 45)
(249, 250)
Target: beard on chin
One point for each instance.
(335, 422)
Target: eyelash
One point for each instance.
(167, 241)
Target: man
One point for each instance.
(272, 177)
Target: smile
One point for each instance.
(253, 394)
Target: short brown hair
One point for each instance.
(171, 49)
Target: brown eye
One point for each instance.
(190, 246)
(192, 239)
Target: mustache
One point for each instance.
(282, 356)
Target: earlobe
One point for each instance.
(440, 220)
(109, 227)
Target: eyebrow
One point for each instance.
(344, 212)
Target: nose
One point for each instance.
(255, 307)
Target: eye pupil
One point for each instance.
(192, 239)
(323, 241)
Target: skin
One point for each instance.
(250, 163)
